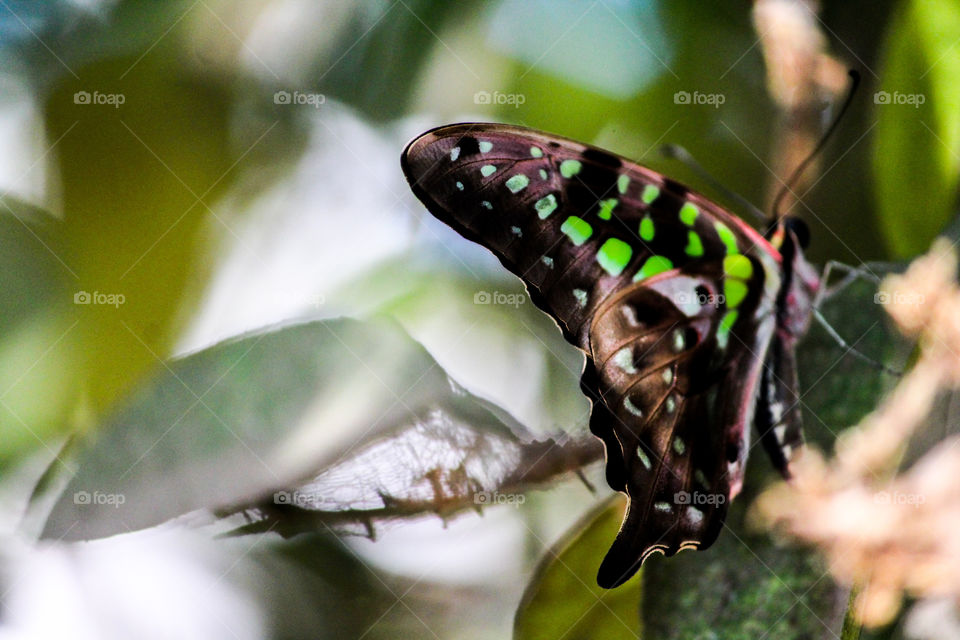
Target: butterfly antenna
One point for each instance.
(795, 176)
(677, 152)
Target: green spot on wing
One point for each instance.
(543, 174)
(545, 206)
(688, 213)
(536, 152)
(517, 182)
(694, 246)
(734, 292)
(570, 168)
(646, 229)
(485, 145)
(606, 208)
(622, 183)
(614, 255)
(727, 237)
(726, 324)
(653, 266)
(650, 193)
(577, 229)
(738, 266)
(487, 170)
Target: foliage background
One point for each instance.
(216, 211)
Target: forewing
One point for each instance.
(576, 223)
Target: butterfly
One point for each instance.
(689, 318)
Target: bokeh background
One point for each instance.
(177, 174)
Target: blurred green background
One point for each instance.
(174, 174)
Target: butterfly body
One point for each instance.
(688, 316)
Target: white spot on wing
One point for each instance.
(694, 515)
(581, 297)
(644, 458)
(679, 446)
(632, 408)
(671, 404)
(679, 341)
(630, 315)
(779, 432)
(624, 360)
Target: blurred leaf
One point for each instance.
(455, 456)
(563, 599)
(235, 421)
(315, 583)
(142, 152)
(30, 272)
(915, 153)
(394, 40)
(37, 384)
(316, 586)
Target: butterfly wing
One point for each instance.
(623, 257)
(678, 403)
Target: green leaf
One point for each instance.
(143, 154)
(563, 599)
(38, 372)
(236, 422)
(915, 154)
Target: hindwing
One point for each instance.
(677, 408)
